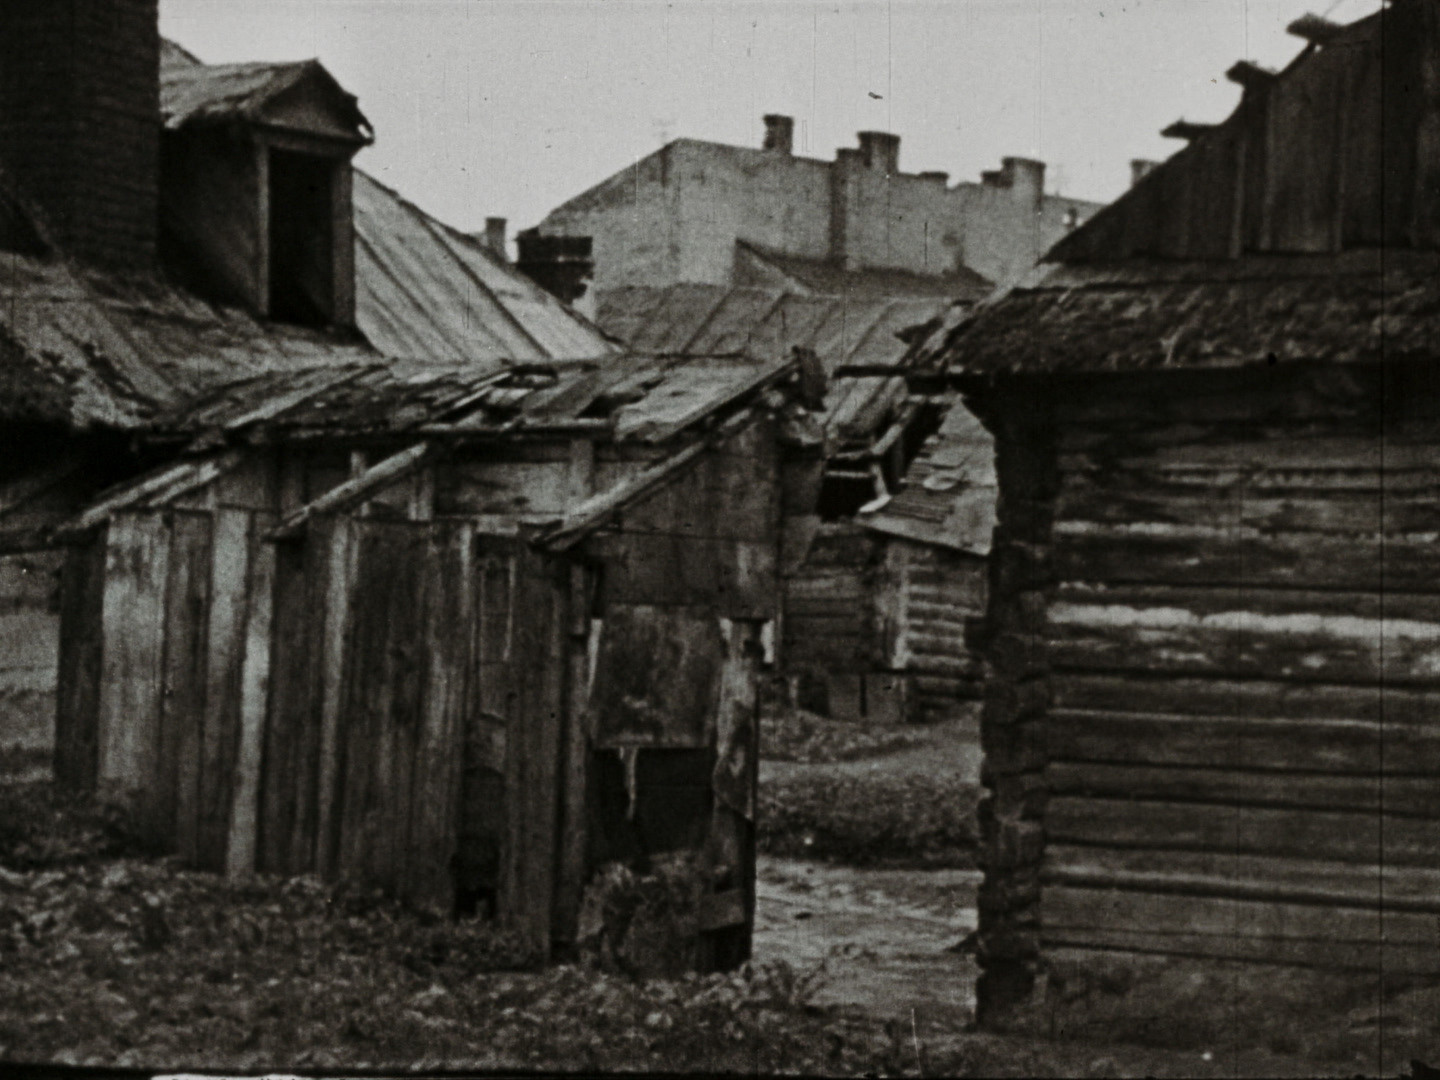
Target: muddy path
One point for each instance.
(881, 937)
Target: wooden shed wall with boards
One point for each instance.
(471, 682)
(1213, 639)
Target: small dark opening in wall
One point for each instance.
(842, 496)
(302, 286)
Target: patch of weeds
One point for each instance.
(43, 828)
(804, 737)
(910, 820)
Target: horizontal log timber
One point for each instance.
(1246, 480)
(1245, 877)
(1345, 747)
(1303, 934)
(1197, 555)
(1259, 699)
(1280, 452)
(1346, 512)
(1176, 826)
(1298, 646)
(1414, 796)
(1391, 605)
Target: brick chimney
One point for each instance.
(880, 150)
(561, 265)
(80, 121)
(495, 235)
(779, 133)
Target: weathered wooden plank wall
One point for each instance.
(1298, 168)
(1244, 643)
(80, 662)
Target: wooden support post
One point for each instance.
(574, 767)
(1010, 814)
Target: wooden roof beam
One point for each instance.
(1315, 29)
(601, 508)
(1251, 75)
(353, 491)
(1186, 129)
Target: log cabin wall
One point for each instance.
(1231, 636)
(831, 637)
(928, 599)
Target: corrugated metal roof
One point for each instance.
(699, 319)
(424, 290)
(778, 269)
(948, 497)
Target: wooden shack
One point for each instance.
(1210, 724)
(878, 616)
(463, 638)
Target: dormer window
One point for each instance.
(303, 198)
(255, 190)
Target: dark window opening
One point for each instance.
(843, 496)
(302, 286)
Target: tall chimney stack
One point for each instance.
(880, 150)
(779, 133)
(80, 121)
(561, 265)
(495, 235)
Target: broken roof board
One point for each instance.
(949, 495)
(661, 397)
(720, 319)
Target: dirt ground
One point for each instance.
(881, 934)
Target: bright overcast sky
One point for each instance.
(509, 107)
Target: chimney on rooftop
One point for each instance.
(80, 121)
(1140, 168)
(880, 150)
(561, 265)
(495, 235)
(779, 133)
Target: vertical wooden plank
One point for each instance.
(289, 707)
(580, 477)
(183, 699)
(731, 846)
(339, 549)
(574, 820)
(134, 618)
(404, 718)
(435, 799)
(77, 700)
(309, 708)
(532, 761)
(254, 696)
(224, 648)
